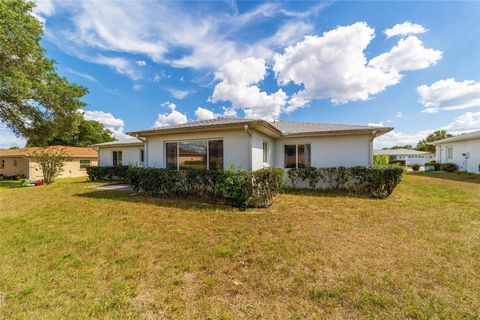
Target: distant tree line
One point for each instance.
(423, 145)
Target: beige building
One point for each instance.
(15, 162)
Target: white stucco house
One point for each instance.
(409, 156)
(463, 150)
(249, 144)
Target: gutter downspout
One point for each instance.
(145, 150)
(247, 130)
(370, 148)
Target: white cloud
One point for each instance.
(82, 75)
(172, 118)
(404, 29)
(399, 114)
(467, 122)
(379, 124)
(110, 122)
(121, 65)
(407, 54)
(239, 86)
(204, 114)
(229, 112)
(137, 87)
(141, 63)
(43, 9)
(178, 93)
(9, 139)
(162, 75)
(449, 95)
(333, 66)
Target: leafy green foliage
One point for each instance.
(434, 164)
(380, 159)
(449, 167)
(238, 188)
(400, 163)
(35, 102)
(376, 182)
(407, 146)
(423, 145)
(51, 162)
(415, 167)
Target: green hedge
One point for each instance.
(433, 163)
(380, 159)
(449, 167)
(237, 188)
(117, 173)
(376, 182)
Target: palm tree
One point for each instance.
(423, 145)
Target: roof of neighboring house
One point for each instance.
(466, 136)
(130, 142)
(401, 152)
(75, 152)
(277, 128)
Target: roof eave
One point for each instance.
(377, 131)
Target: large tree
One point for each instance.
(35, 102)
(88, 132)
(423, 145)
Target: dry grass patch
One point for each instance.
(69, 251)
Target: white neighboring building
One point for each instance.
(118, 153)
(408, 155)
(249, 144)
(463, 150)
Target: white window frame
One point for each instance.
(296, 153)
(80, 163)
(193, 140)
(117, 151)
(265, 151)
(448, 148)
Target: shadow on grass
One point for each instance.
(179, 203)
(455, 176)
(324, 193)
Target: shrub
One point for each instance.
(235, 187)
(113, 173)
(380, 159)
(433, 164)
(51, 162)
(415, 167)
(376, 182)
(449, 167)
(401, 163)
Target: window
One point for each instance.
(297, 155)
(14, 162)
(142, 155)
(84, 164)
(117, 158)
(449, 153)
(194, 154)
(2, 164)
(265, 152)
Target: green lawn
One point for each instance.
(68, 251)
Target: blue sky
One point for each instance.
(414, 66)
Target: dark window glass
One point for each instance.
(215, 153)
(290, 156)
(192, 155)
(304, 155)
(84, 164)
(265, 152)
(2, 164)
(117, 158)
(171, 155)
(142, 155)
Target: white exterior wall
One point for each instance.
(257, 150)
(470, 164)
(236, 147)
(415, 159)
(130, 156)
(332, 151)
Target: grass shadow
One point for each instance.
(324, 193)
(455, 176)
(132, 197)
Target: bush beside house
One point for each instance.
(380, 159)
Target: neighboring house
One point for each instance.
(245, 143)
(463, 150)
(408, 155)
(15, 162)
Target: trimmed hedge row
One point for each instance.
(237, 188)
(375, 182)
(447, 167)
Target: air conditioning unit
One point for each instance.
(466, 154)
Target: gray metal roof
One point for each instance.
(281, 128)
(401, 152)
(129, 141)
(291, 128)
(466, 136)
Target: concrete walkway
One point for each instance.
(121, 187)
